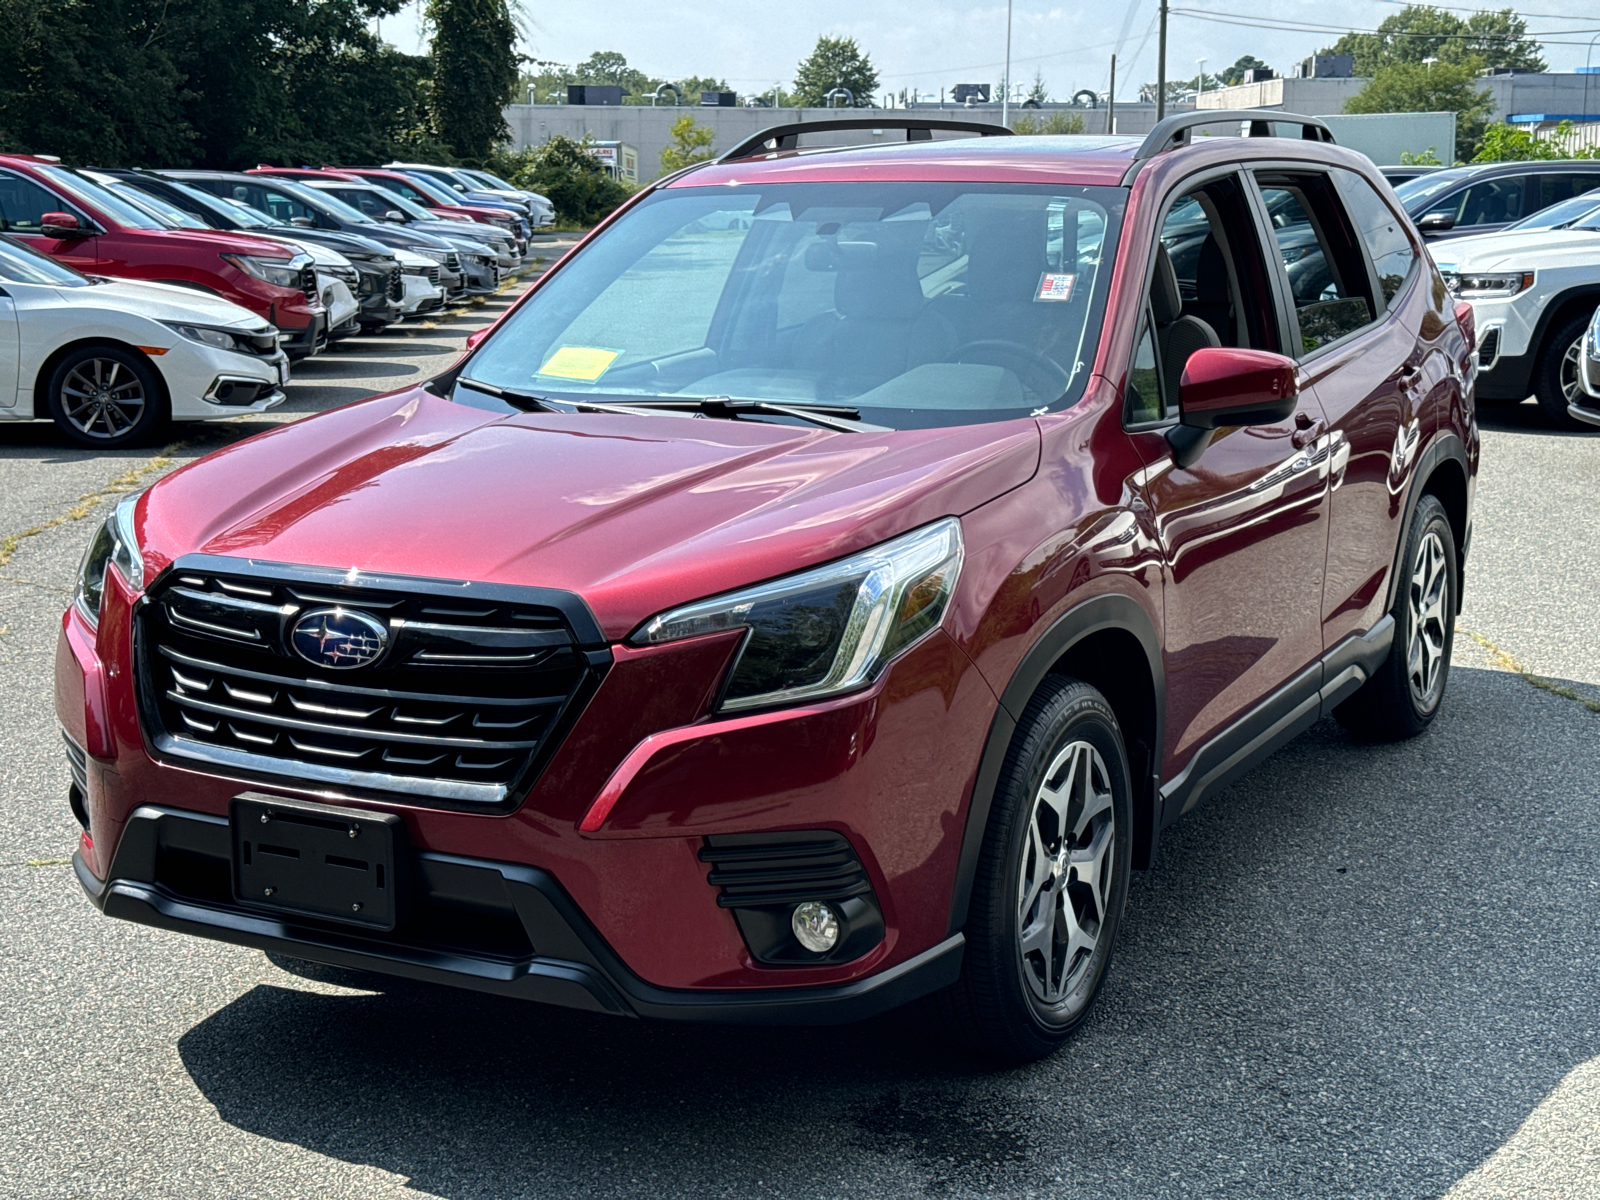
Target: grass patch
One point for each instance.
(1501, 659)
(48, 862)
(120, 486)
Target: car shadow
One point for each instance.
(1354, 972)
(1526, 417)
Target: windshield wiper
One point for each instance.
(838, 417)
(526, 401)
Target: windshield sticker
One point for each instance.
(1055, 287)
(587, 363)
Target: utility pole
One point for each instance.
(1111, 100)
(1161, 67)
(1005, 99)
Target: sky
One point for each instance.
(929, 44)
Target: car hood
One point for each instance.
(634, 513)
(403, 237)
(344, 243)
(1519, 249)
(219, 241)
(166, 302)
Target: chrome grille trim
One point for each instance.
(464, 709)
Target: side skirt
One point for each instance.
(1278, 719)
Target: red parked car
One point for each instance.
(819, 592)
(73, 219)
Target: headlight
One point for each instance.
(218, 339)
(276, 271)
(1490, 285)
(114, 545)
(439, 256)
(830, 629)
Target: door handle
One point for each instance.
(1307, 433)
(1408, 378)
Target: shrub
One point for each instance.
(578, 187)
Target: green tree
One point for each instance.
(1427, 158)
(1507, 143)
(575, 182)
(1037, 92)
(1437, 87)
(1231, 76)
(1420, 31)
(474, 61)
(1056, 122)
(691, 143)
(835, 63)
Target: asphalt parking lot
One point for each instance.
(1363, 971)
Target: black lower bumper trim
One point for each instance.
(1511, 378)
(571, 965)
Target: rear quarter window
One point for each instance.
(1387, 241)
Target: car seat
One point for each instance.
(1213, 302)
(876, 302)
(1177, 335)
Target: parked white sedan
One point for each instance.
(111, 361)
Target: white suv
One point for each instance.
(1533, 288)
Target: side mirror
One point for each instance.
(62, 225)
(459, 187)
(1436, 222)
(477, 336)
(1224, 386)
(395, 215)
(303, 222)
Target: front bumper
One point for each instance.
(420, 296)
(308, 340)
(634, 804)
(531, 941)
(206, 383)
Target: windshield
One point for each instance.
(165, 211)
(433, 188)
(374, 202)
(236, 211)
(494, 181)
(330, 203)
(920, 304)
(1579, 212)
(122, 211)
(21, 263)
(1414, 193)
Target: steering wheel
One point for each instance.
(1039, 373)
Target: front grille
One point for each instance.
(261, 342)
(760, 870)
(463, 702)
(1489, 348)
(397, 284)
(452, 261)
(349, 276)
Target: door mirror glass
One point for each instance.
(1229, 385)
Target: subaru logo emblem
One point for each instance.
(339, 638)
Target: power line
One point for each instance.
(1294, 25)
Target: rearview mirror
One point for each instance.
(394, 214)
(62, 225)
(1223, 386)
(1437, 222)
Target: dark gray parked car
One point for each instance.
(1459, 201)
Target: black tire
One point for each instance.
(1001, 1007)
(1393, 704)
(1555, 378)
(106, 397)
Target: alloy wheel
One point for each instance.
(1066, 872)
(102, 398)
(1425, 655)
(1569, 371)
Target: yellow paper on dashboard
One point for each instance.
(587, 363)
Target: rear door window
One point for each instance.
(1554, 188)
(1384, 234)
(1322, 257)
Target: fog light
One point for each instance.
(815, 926)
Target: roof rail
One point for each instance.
(918, 129)
(1174, 131)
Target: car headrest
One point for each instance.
(1211, 273)
(1165, 299)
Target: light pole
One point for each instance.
(1202, 89)
(1161, 67)
(1005, 95)
(1586, 58)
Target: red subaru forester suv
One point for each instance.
(817, 593)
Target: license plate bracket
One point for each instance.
(315, 860)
